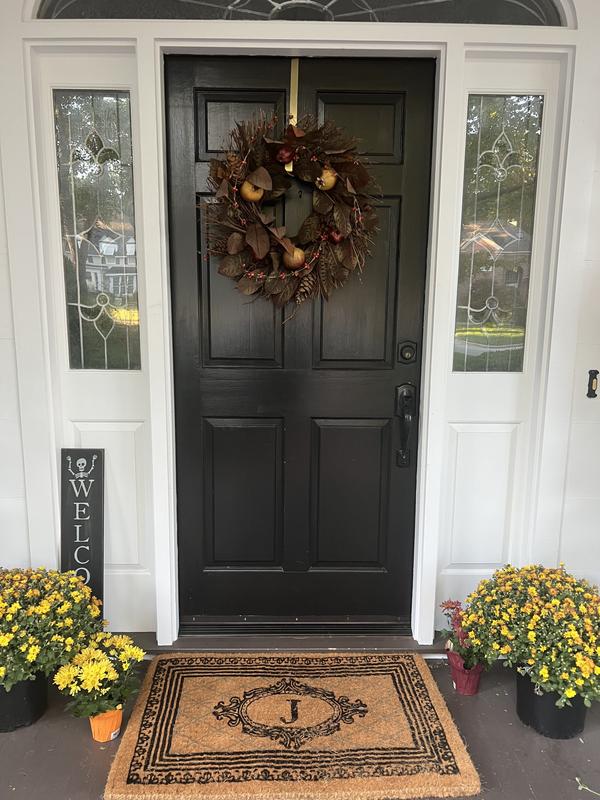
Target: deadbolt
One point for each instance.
(407, 352)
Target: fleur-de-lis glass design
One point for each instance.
(95, 175)
(94, 153)
(501, 157)
(500, 178)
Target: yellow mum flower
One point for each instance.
(92, 675)
(33, 652)
(65, 676)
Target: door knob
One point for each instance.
(405, 409)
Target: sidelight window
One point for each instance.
(498, 209)
(95, 179)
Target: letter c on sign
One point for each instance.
(76, 553)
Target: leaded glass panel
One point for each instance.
(491, 12)
(500, 178)
(95, 177)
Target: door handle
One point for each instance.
(405, 409)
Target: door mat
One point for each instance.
(331, 726)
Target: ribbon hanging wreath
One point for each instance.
(331, 243)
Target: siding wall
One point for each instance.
(580, 542)
(14, 539)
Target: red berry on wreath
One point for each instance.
(336, 236)
(285, 154)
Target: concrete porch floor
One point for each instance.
(56, 759)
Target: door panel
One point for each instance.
(292, 509)
(235, 332)
(350, 492)
(243, 461)
(376, 119)
(355, 327)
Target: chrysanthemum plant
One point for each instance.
(457, 640)
(101, 676)
(45, 617)
(546, 623)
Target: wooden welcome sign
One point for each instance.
(82, 515)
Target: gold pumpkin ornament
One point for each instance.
(327, 179)
(251, 193)
(294, 260)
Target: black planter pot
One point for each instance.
(541, 713)
(24, 704)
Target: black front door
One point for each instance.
(296, 443)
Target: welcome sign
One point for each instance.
(82, 515)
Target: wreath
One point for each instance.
(335, 238)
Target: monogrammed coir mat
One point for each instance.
(343, 726)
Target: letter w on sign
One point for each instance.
(82, 515)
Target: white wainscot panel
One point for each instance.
(14, 537)
(123, 511)
(579, 542)
(479, 501)
(482, 459)
(129, 585)
(582, 470)
(588, 329)
(6, 323)
(11, 459)
(593, 248)
(9, 396)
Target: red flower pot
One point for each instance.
(466, 681)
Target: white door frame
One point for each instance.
(150, 40)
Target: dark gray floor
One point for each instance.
(56, 759)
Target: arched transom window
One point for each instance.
(494, 12)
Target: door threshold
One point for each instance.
(294, 626)
(289, 643)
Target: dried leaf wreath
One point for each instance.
(332, 242)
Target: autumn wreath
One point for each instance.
(331, 243)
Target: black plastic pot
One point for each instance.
(24, 704)
(541, 713)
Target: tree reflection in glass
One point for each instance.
(95, 174)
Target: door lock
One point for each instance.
(407, 352)
(406, 409)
